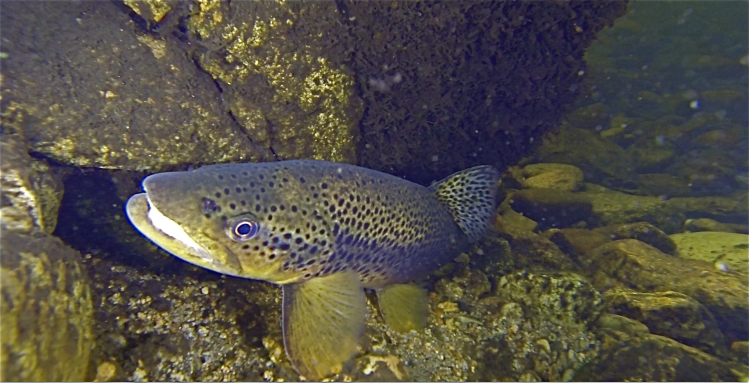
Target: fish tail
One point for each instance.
(471, 197)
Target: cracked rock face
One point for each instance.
(86, 89)
(31, 189)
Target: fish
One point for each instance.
(324, 232)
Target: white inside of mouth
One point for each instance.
(174, 230)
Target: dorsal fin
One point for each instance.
(471, 197)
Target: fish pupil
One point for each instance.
(244, 229)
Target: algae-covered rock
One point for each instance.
(650, 155)
(670, 314)
(600, 159)
(508, 219)
(283, 68)
(452, 57)
(641, 231)
(707, 224)
(661, 184)
(650, 357)
(730, 249)
(31, 189)
(88, 88)
(551, 176)
(666, 214)
(536, 252)
(647, 269)
(621, 323)
(552, 208)
(600, 206)
(577, 243)
(46, 311)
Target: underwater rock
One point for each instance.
(551, 176)
(185, 325)
(711, 171)
(46, 311)
(728, 249)
(551, 207)
(741, 348)
(226, 81)
(667, 214)
(151, 10)
(509, 220)
(641, 231)
(649, 357)
(577, 243)
(650, 155)
(31, 189)
(613, 207)
(453, 56)
(707, 224)
(598, 206)
(646, 269)
(621, 323)
(670, 314)
(533, 251)
(161, 110)
(660, 184)
(300, 103)
(601, 160)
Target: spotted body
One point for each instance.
(299, 223)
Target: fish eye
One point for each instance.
(243, 229)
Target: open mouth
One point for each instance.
(174, 230)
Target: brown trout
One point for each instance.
(323, 231)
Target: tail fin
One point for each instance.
(471, 197)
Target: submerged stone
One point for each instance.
(551, 176)
(647, 269)
(46, 313)
(650, 357)
(670, 314)
(730, 249)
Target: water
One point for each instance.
(620, 249)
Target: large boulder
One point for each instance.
(392, 86)
(647, 269)
(46, 311)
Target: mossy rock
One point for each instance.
(46, 312)
(731, 249)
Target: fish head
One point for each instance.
(204, 218)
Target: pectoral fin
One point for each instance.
(323, 319)
(404, 306)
